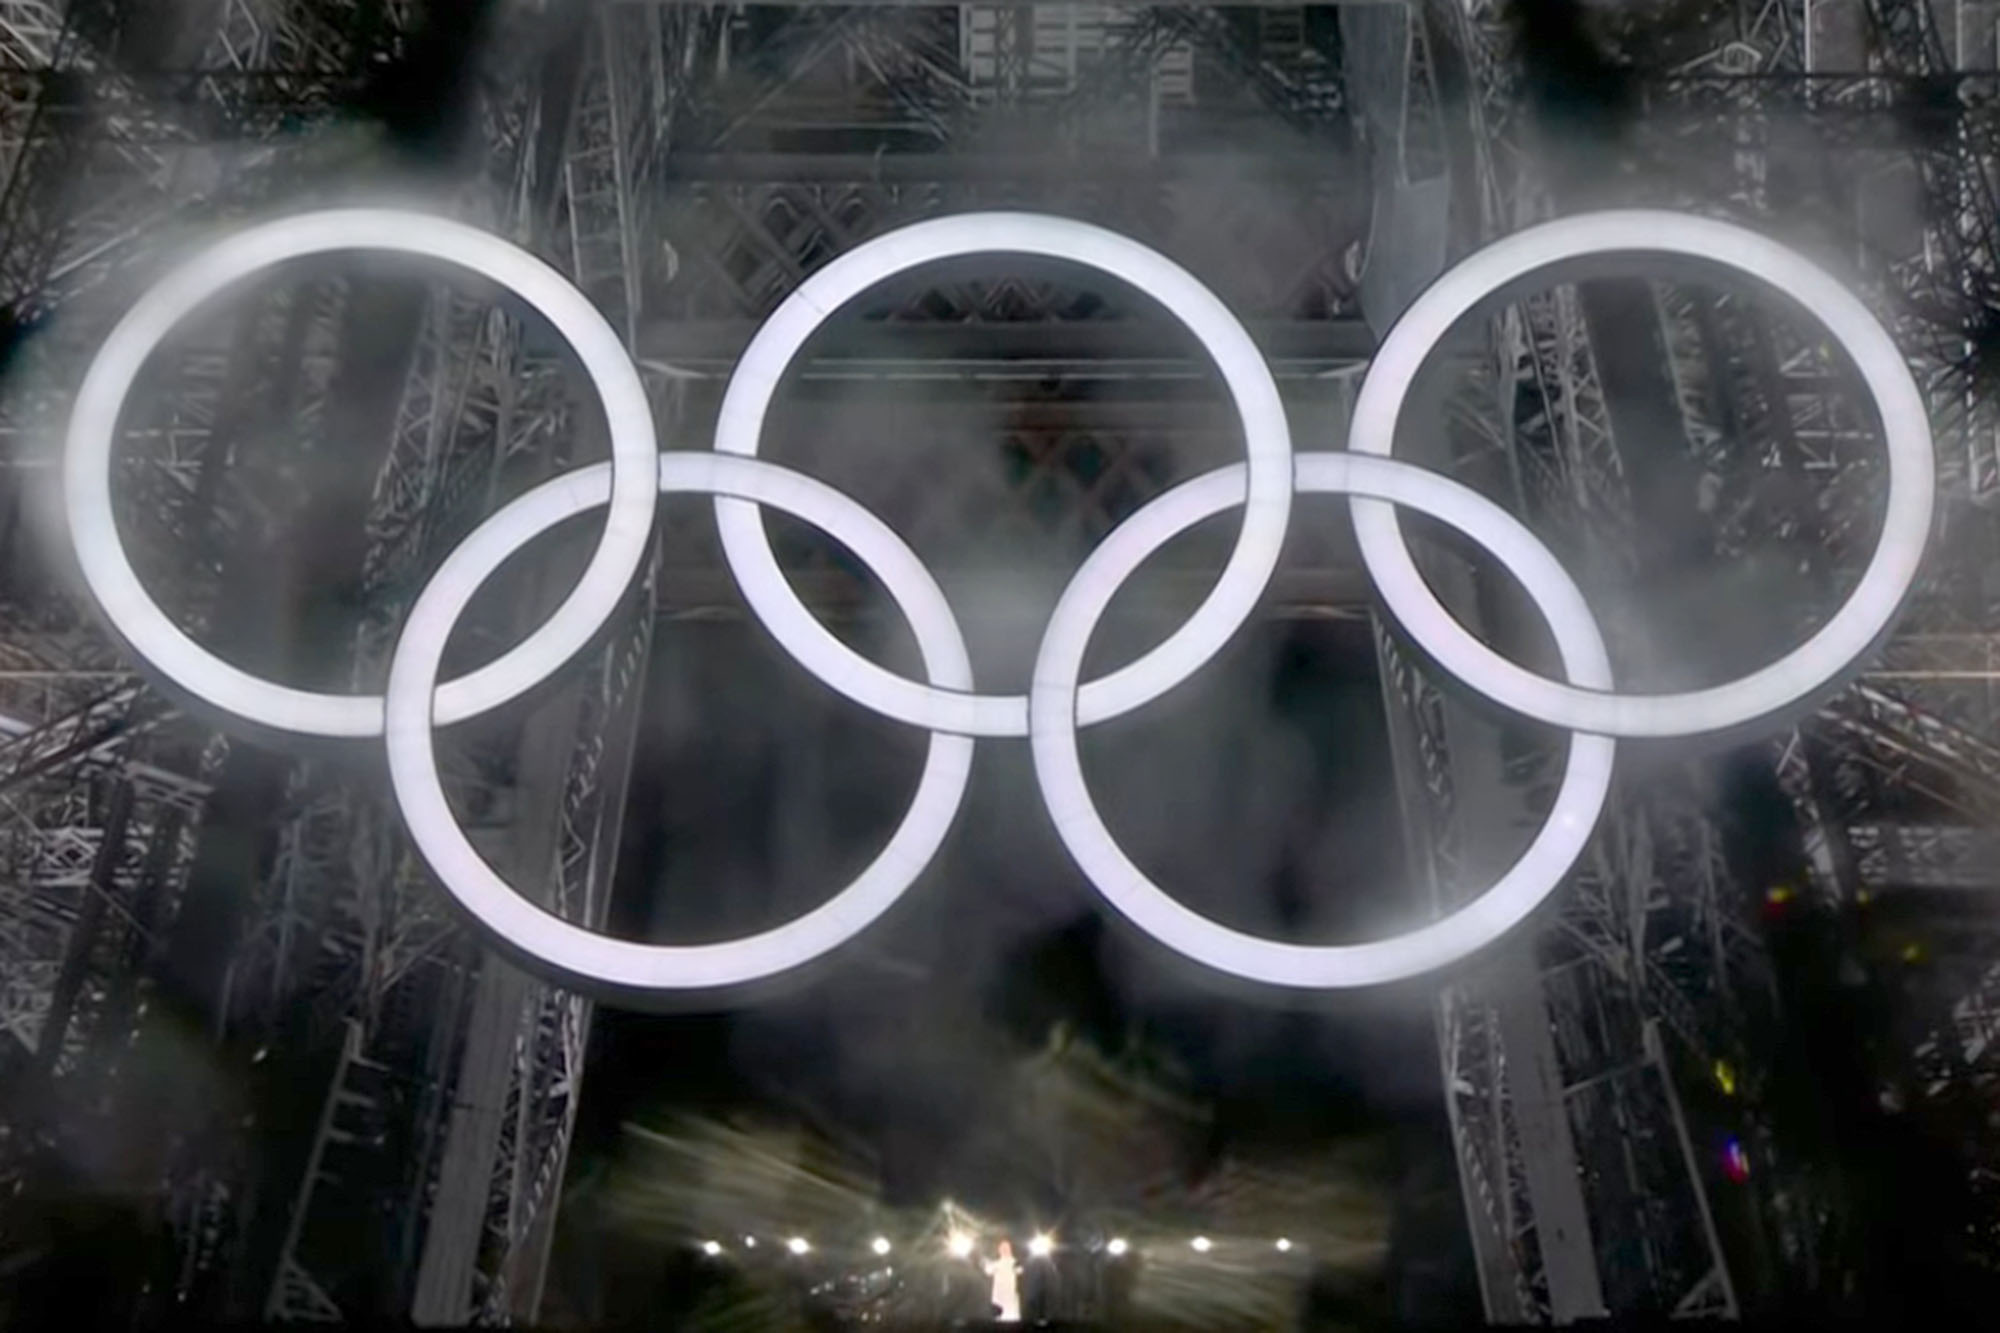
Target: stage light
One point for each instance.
(1202, 1244)
(798, 1245)
(1041, 1245)
(1284, 1245)
(880, 1245)
(711, 1248)
(749, 1242)
(1777, 900)
(960, 1245)
(1116, 1247)
(1735, 1161)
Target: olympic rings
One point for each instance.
(946, 703)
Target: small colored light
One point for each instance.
(1735, 1162)
(1913, 952)
(1864, 897)
(1725, 1078)
(1201, 1244)
(1778, 895)
(1116, 1247)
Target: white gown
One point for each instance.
(1006, 1289)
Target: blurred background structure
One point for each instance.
(250, 1065)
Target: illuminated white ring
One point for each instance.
(101, 398)
(583, 955)
(1053, 715)
(1266, 437)
(1792, 678)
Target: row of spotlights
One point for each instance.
(961, 1244)
(1202, 1245)
(797, 1245)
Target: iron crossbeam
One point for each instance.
(1649, 939)
(915, 349)
(966, 165)
(391, 967)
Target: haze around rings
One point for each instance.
(946, 703)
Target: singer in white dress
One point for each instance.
(1006, 1275)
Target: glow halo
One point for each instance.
(1540, 869)
(1267, 444)
(1841, 641)
(584, 955)
(141, 622)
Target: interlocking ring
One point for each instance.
(946, 703)
(138, 619)
(1796, 676)
(1055, 717)
(584, 956)
(1267, 448)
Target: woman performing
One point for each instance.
(1006, 1275)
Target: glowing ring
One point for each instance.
(583, 954)
(1052, 713)
(101, 398)
(1266, 435)
(1793, 677)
